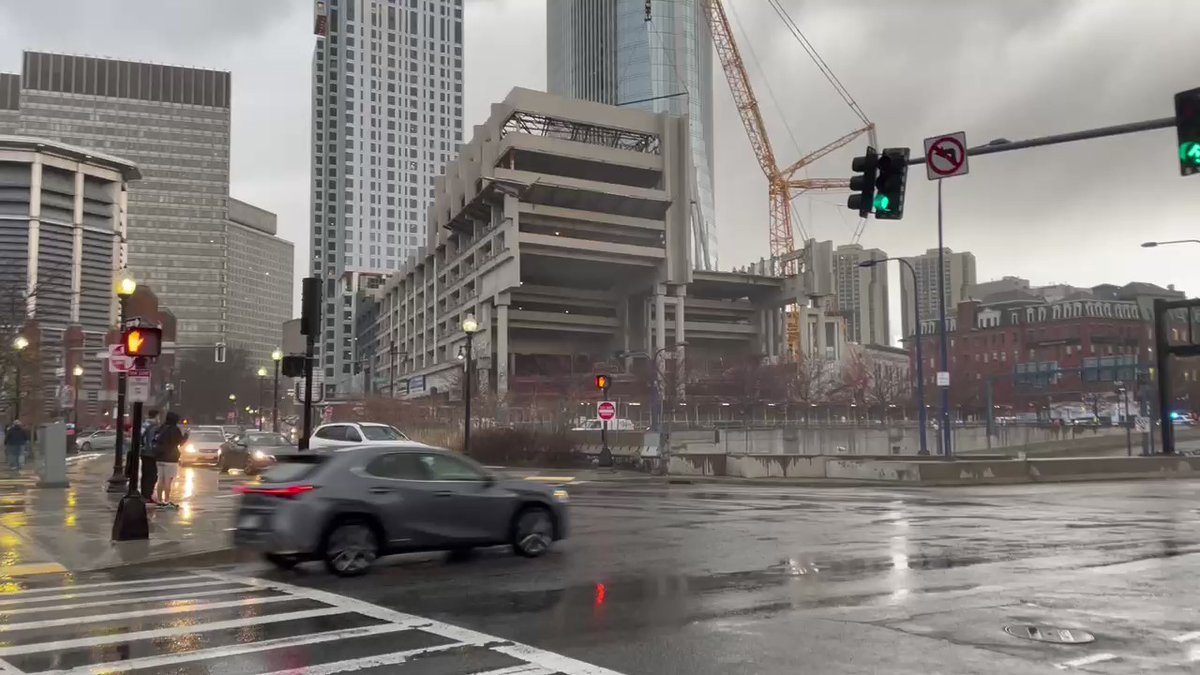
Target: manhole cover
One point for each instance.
(1028, 631)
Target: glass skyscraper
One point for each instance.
(607, 51)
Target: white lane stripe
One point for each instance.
(1187, 637)
(237, 650)
(351, 665)
(1085, 661)
(525, 669)
(51, 623)
(555, 663)
(93, 594)
(108, 584)
(186, 595)
(190, 629)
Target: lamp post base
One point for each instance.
(131, 523)
(117, 482)
(606, 459)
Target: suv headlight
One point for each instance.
(561, 495)
(258, 454)
(189, 448)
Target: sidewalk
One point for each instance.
(69, 529)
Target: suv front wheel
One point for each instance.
(533, 532)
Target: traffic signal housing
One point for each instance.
(292, 365)
(891, 178)
(142, 341)
(602, 382)
(862, 186)
(1187, 126)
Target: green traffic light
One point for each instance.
(882, 203)
(1190, 152)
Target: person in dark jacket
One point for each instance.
(149, 456)
(170, 439)
(15, 440)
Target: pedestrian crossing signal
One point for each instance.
(602, 382)
(145, 342)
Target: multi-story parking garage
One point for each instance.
(563, 228)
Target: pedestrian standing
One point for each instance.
(149, 456)
(15, 440)
(169, 440)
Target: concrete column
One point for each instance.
(35, 229)
(502, 348)
(660, 320)
(77, 248)
(482, 366)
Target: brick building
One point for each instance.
(1037, 351)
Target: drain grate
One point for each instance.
(1056, 634)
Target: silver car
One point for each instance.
(348, 506)
(99, 440)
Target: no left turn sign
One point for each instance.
(946, 155)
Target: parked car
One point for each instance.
(105, 439)
(252, 452)
(348, 506)
(343, 434)
(203, 446)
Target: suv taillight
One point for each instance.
(290, 492)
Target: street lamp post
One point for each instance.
(921, 413)
(470, 327)
(661, 426)
(124, 286)
(20, 344)
(76, 372)
(262, 380)
(277, 357)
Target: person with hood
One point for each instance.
(168, 442)
(15, 440)
(149, 456)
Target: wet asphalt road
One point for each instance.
(717, 579)
(681, 579)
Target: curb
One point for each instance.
(226, 555)
(31, 569)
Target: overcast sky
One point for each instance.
(992, 68)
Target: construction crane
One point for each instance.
(781, 182)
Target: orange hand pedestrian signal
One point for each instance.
(602, 382)
(142, 341)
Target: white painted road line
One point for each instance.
(1187, 637)
(28, 594)
(1085, 661)
(180, 609)
(141, 600)
(526, 669)
(156, 633)
(351, 665)
(236, 650)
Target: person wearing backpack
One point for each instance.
(170, 439)
(149, 455)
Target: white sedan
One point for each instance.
(354, 433)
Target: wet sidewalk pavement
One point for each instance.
(45, 530)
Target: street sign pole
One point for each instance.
(946, 450)
(605, 409)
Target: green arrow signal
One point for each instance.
(1190, 152)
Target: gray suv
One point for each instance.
(348, 506)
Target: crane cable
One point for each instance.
(820, 62)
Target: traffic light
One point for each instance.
(1187, 126)
(891, 176)
(292, 365)
(863, 185)
(602, 382)
(142, 341)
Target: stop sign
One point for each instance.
(606, 411)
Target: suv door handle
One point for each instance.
(379, 490)
(444, 493)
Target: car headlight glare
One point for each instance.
(561, 495)
(258, 454)
(190, 449)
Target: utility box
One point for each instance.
(51, 449)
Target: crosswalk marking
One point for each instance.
(1187, 637)
(199, 629)
(1085, 661)
(138, 614)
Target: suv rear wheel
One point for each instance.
(350, 549)
(533, 532)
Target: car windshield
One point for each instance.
(261, 440)
(379, 432)
(205, 437)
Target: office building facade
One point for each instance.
(861, 294)
(959, 275)
(261, 268)
(387, 117)
(608, 52)
(62, 238)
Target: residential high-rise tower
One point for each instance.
(386, 118)
(959, 277)
(861, 294)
